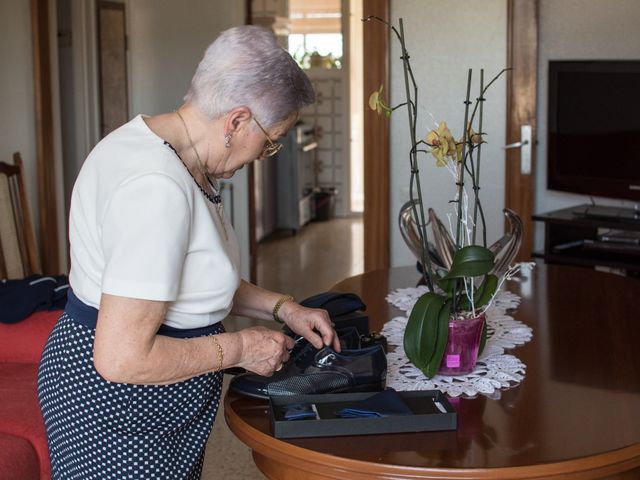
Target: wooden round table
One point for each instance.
(576, 415)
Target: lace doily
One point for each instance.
(495, 370)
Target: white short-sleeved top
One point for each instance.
(139, 227)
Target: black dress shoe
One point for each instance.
(374, 338)
(315, 371)
(349, 340)
(349, 337)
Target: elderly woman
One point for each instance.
(131, 376)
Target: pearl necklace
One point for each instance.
(216, 198)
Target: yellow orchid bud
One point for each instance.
(377, 104)
(472, 136)
(373, 101)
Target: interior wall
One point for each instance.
(578, 30)
(445, 39)
(17, 122)
(79, 100)
(167, 39)
(67, 96)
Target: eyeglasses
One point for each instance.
(271, 148)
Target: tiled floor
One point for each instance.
(319, 256)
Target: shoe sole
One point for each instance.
(367, 387)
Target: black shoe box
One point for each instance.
(358, 319)
(431, 412)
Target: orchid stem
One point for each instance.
(476, 176)
(417, 206)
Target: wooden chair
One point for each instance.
(18, 252)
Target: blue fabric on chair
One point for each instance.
(20, 298)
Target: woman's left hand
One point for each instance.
(313, 324)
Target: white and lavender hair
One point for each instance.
(245, 66)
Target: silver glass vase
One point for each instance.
(441, 246)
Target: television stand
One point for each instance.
(592, 236)
(621, 214)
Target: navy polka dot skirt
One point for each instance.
(103, 430)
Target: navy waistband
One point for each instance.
(88, 316)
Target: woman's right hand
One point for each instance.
(264, 350)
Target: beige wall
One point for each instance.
(17, 118)
(167, 39)
(444, 39)
(166, 43)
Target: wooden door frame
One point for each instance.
(377, 181)
(110, 5)
(251, 179)
(45, 164)
(522, 57)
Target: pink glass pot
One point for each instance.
(463, 343)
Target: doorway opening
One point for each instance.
(325, 38)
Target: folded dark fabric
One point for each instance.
(21, 298)
(300, 411)
(336, 303)
(383, 404)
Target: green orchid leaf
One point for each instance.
(480, 291)
(441, 341)
(481, 296)
(422, 327)
(446, 286)
(463, 303)
(471, 261)
(485, 291)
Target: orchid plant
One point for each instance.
(467, 288)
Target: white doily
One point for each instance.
(494, 370)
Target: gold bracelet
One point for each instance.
(279, 303)
(219, 352)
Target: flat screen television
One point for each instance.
(594, 128)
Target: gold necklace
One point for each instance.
(216, 199)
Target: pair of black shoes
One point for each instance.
(313, 371)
